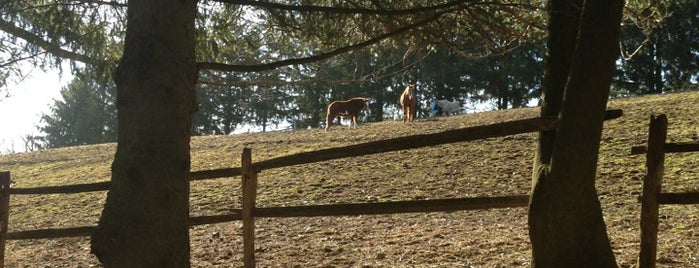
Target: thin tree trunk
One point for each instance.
(565, 217)
(658, 68)
(145, 219)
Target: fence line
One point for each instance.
(417, 141)
(652, 186)
(388, 145)
(248, 171)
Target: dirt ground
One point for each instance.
(482, 238)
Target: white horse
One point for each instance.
(449, 107)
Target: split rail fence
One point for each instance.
(249, 171)
(653, 196)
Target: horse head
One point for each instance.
(411, 89)
(366, 103)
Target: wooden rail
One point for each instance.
(104, 185)
(417, 141)
(248, 171)
(395, 207)
(395, 144)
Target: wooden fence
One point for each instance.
(652, 186)
(249, 172)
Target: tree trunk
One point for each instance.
(658, 68)
(145, 219)
(566, 226)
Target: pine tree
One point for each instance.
(85, 114)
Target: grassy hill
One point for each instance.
(490, 167)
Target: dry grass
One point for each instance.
(491, 167)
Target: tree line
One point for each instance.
(657, 56)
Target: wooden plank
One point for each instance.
(655, 159)
(613, 114)
(395, 207)
(678, 147)
(214, 174)
(249, 194)
(639, 149)
(52, 233)
(686, 198)
(417, 141)
(682, 147)
(411, 142)
(104, 185)
(64, 189)
(203, 220)
(4, 212)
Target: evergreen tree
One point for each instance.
(221, 109)
(661, 49)
(86, 113)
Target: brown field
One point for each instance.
(483, 238)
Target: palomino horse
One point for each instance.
(409, 102)
(350, 108)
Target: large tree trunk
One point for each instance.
(145, 219)
(566, 226)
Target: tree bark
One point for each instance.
(566, 226)
(145, 219)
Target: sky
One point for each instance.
(21, 112)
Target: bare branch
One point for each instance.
(11, 62)
(52, 48)
(454, 48)
(112, 3)
(628, 56)
(373, 76)
(314, 58)
(347, 10)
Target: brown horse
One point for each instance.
(350, 108)
(409, 102)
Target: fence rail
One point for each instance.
(104, 185)
(248, 171)
(395, 207)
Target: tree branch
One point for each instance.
(314, 58)
(51, 48)
(465, 55)
(12, 61)
(346, 10)
(376, 75)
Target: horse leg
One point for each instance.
(328, 121)
(413, 112)
(405, 113)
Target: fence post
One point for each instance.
(249, 194)
(4, 212)
(655, 165)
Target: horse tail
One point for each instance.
(328, 118)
